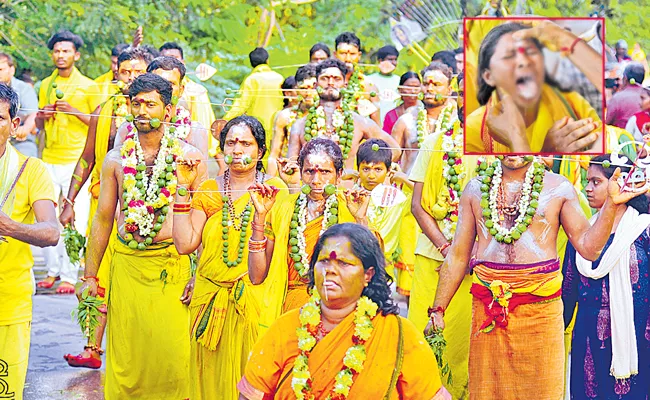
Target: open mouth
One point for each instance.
(527, 87)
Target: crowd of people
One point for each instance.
(265, 254)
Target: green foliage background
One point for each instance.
(222, 33)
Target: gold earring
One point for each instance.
(366, 285)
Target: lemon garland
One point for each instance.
(145, 195)
(444, 122)
(298, 225)
(342, 122)
(352, 92)
(227, 211)
(355, 356)
(120, 110)
(528, 203)
(453, 171)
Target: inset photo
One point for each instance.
(534, 86)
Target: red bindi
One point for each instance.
(333, 255)
(521, 50)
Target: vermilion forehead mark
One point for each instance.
(332, 255)
(521, 49)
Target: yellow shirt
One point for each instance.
(16, 258)
(198, 103)
(261, 98)
(553, 106)
(106, 86)
(65, 134)
(388, 222)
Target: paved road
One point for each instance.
(53, 335)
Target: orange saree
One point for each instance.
(396, 366)
(297, 294)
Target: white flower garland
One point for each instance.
(182, 123)
(445, 121)
(301, 206)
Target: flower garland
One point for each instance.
(527, 205)
(352, 92)
(342, 123)
(298, 225)
(355, 356)
(444, 122)
(120, 110)
(453, 172)
(182, 123)
(144, 194)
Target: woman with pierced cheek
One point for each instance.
(294, 224)
(224, 306)
(347, 341)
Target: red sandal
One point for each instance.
(46, 283)
(85, 362)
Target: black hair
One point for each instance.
(118, 49)
(366, 248)
(289, 83)
(348, 38)
(366, 154)
(438, 66)
(486, 51)
(256, 129)
(332, 63)
(9, 96)
(322, 146)
(639, 203)
(258, 56)
(408, 75)
(305, 72)
(458, 50)
(152, 50)
(387, 51)
(172, 46)
(446, 57)
(149, 83)
(137, 53)
(167, 64)
(634, 70)
(320, 46)
(7, 58)
(65, 36)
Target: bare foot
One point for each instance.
(65, 288)
(48, 282)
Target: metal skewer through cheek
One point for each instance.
(325, 283)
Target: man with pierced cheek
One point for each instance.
(436, 117)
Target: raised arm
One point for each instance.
(455, 265)
(294, 138)
(263, 197)
(279, 125)
(188, 238)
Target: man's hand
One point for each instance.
(67, 215)
(46, 112)
(289, 171)
(90, 285)
(570, 136)
(263, 197)
(21, 133)
(396, 176)
(436, 321)
(506, 125)
(216, 128)
(548, 33)
(138, 37)
(64, 106)
(186, 298)
(188, 169)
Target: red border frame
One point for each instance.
(514, 18)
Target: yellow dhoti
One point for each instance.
(14, 352)
(405, 264)
(148, 346)
(458, 320)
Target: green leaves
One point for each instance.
(75, 244)
(87, 313)
(438, 344)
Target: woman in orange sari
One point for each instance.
(348, 341)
